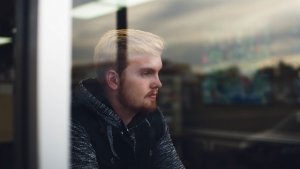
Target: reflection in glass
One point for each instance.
(6, 84)
(231, 76)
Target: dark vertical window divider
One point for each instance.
(122, 18)
(25, 109)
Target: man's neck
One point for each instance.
(123, 112)
(125, 116)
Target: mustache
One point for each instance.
(152, 92)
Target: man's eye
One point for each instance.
(146, 73)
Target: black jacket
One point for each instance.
(101, 140)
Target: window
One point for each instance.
(231, 75)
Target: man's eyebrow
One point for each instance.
(154, 67)
(147, 69)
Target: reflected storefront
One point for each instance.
(231, 75)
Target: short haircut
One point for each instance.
(117, 46)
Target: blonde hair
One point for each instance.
(117, 46)
(137, 42)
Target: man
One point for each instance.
(115, 120)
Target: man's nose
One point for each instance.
(157, 83)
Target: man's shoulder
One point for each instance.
(82, 114)
(78, 110)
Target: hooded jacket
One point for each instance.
(101, 140)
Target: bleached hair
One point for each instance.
(125, 43)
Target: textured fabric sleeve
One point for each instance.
(165, 155)
(83, 154)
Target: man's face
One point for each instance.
(140, 83)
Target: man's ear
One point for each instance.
(112, 79)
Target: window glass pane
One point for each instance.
(231, 76)
(6, 83)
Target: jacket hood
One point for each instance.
(90, 93)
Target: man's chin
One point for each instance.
(148, 109)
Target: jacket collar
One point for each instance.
(91, 94)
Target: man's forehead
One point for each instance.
(141, 56)
(146, 61)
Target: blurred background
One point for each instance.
(231, 75)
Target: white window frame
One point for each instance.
(53, 83)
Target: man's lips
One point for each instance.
(152, 94)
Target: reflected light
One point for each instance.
(4, 40)
(99, 8)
